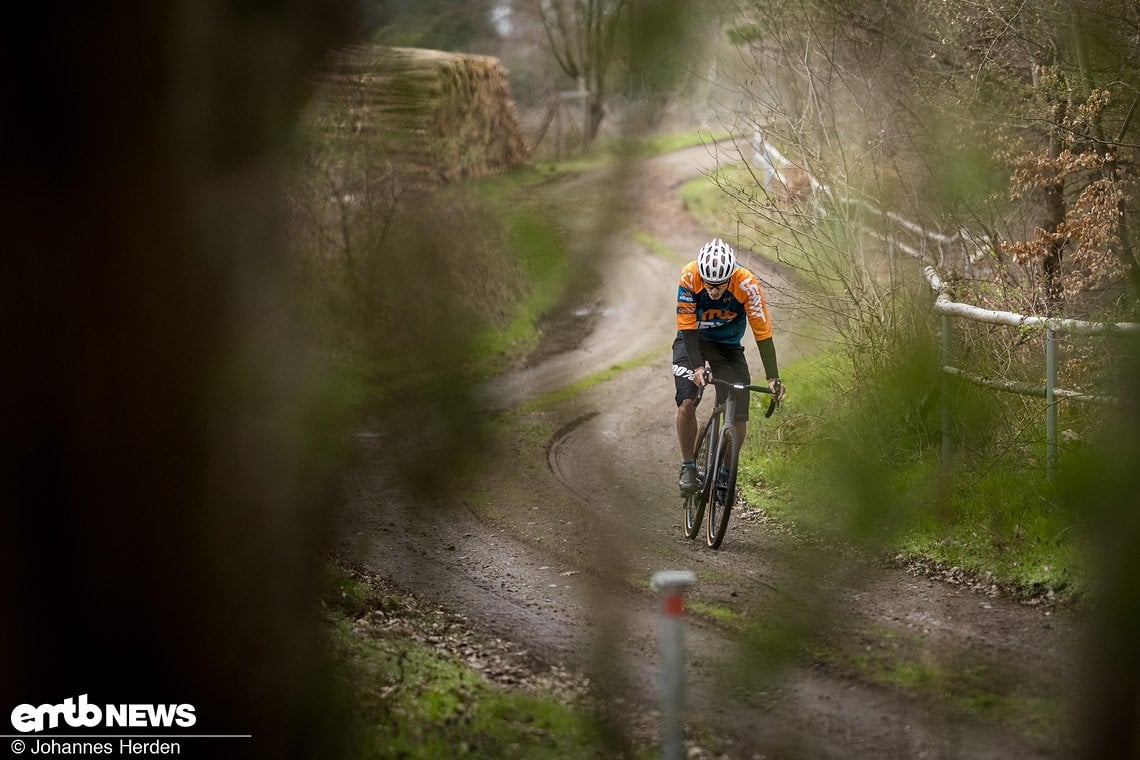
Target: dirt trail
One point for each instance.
(556, 552)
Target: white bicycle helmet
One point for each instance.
(716, 261)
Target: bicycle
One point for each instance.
(718, 451)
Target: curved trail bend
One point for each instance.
(555, 551)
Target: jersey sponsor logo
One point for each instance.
(686, 308)
(683, 294)
(713, 316)
(755, 300)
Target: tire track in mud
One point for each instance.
(448, 554)
(560, 458)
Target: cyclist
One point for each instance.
(715, 298)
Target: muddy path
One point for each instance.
(554, 551)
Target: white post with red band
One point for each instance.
(671, 584)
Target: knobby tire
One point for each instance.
(722, 490)
(695, 502)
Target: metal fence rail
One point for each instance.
(773, 163)
(1053, 327)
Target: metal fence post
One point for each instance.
(1050, 403)
(672, 584)
(944, 356)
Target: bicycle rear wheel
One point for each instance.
(695, 502)
(722, 493)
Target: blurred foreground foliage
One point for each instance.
(415, 293)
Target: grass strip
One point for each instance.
(577, 387)
(414, 693)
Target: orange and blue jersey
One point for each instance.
(722, 321)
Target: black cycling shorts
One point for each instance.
(727, 363)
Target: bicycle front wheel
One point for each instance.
(695, 502)
(722, 492)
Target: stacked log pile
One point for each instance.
(437, 116)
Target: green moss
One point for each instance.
(715, 612)
(410, 700)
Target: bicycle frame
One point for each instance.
(717, 467)
(727, 408)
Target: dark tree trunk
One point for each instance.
(155, 544)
